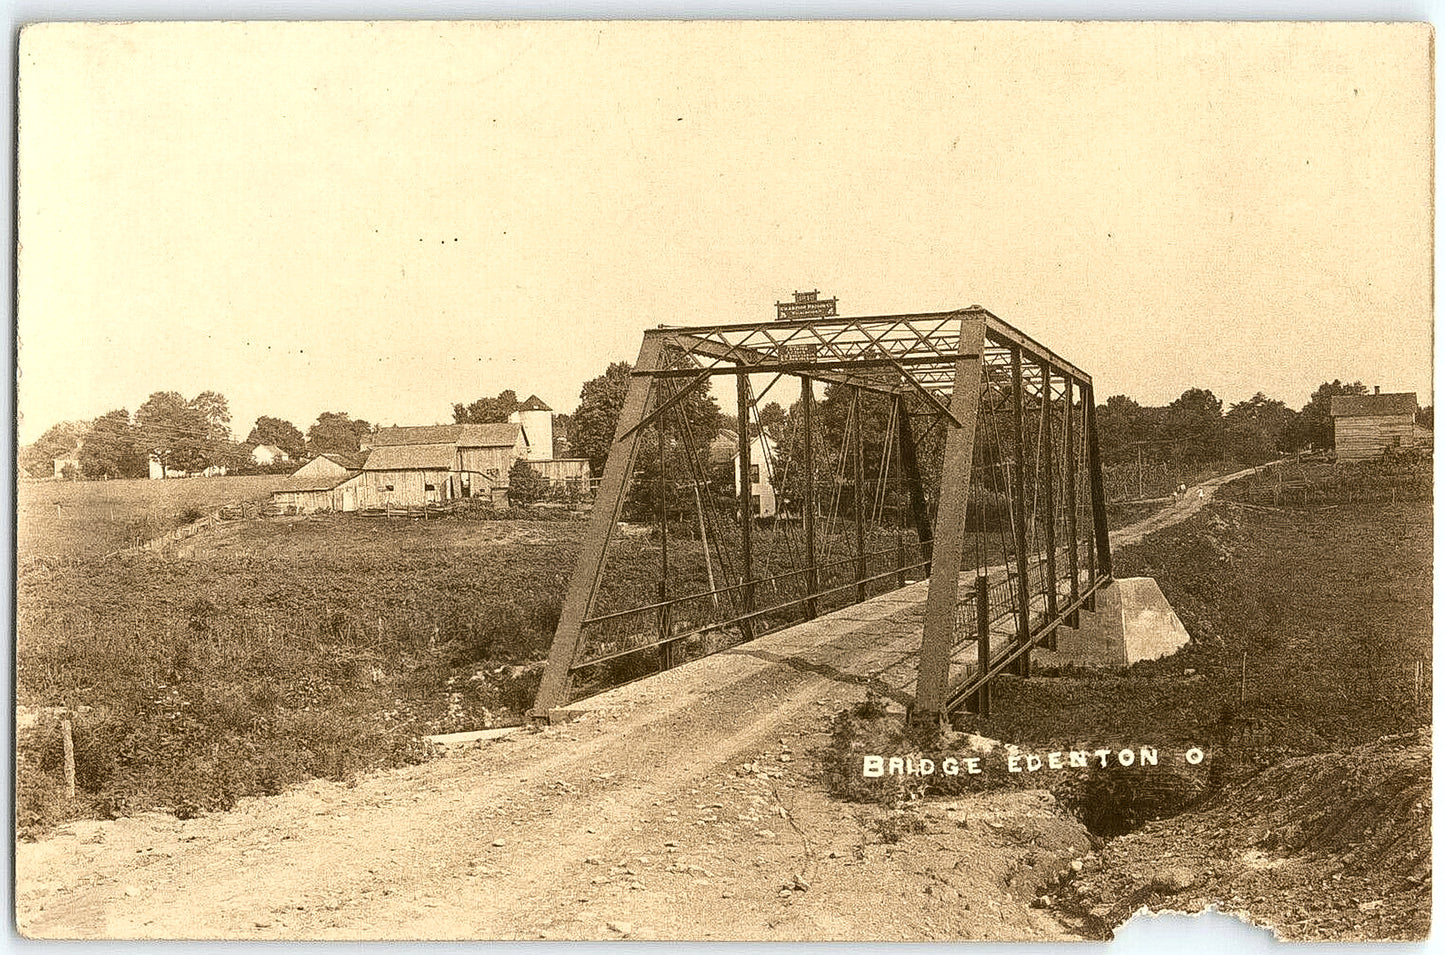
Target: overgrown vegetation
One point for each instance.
(316, 650)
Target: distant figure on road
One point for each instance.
(1201, 494)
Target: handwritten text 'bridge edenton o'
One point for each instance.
(945, 445)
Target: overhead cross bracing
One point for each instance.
(948, 446)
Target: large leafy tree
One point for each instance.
(336, 431)
(692, 423)
(1195, 420)
(773, 418)
(1255, 430)
(276, 431)
(109, 448)
(487, 410)
(594, 423)
(174, 431)
(1121, 422)
(1314, 427)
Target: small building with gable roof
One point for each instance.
(1366, 426)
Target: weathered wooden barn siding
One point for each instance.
(562, 470)
(497, 460)
(307, 502)
(1366, 436)
(407, 487)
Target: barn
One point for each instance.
(317, 485)
(1366, 426)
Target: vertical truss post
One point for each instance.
(942, 604)
(745, 502)
(1096, 487)
(981, 700)
(860, 569)
(1086, 408)
(1046, 470)
(668, 651)
(810, 542)
(917, 502)
(899, 578)
(1021, 540)
(1071, 502)
(616, 476)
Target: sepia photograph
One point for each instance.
(769, 481)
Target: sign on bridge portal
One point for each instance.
(807, 305)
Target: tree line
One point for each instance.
(187, 435)
(1195, 428)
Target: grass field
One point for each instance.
(91, 518)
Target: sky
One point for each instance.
(389, 218)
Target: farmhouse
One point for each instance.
(760, 482)
(1368, 425)
(267, 454)
(723, 452)
(71, 461)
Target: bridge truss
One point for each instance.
(949, 446)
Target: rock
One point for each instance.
(621, 928)
(499, 842)
(1174, 879)
(1077, 865)
(1190, 671)
(801, 884)
(766, 834)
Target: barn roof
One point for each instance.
(411, 457)
(426, 434)
(320, 482)
(1355, 406)
(352, 461)
(502, 435)
(534, 404)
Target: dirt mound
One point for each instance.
(1333, 846)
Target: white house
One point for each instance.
(760, 481)
(267, 454)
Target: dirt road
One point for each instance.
(1188, 505)
(684, 806)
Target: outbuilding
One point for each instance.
(1366, 426)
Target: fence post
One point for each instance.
(68, 741)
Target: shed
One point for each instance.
(1368, 425)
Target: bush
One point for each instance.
(525, 484)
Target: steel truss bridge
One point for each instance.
(948, 446)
